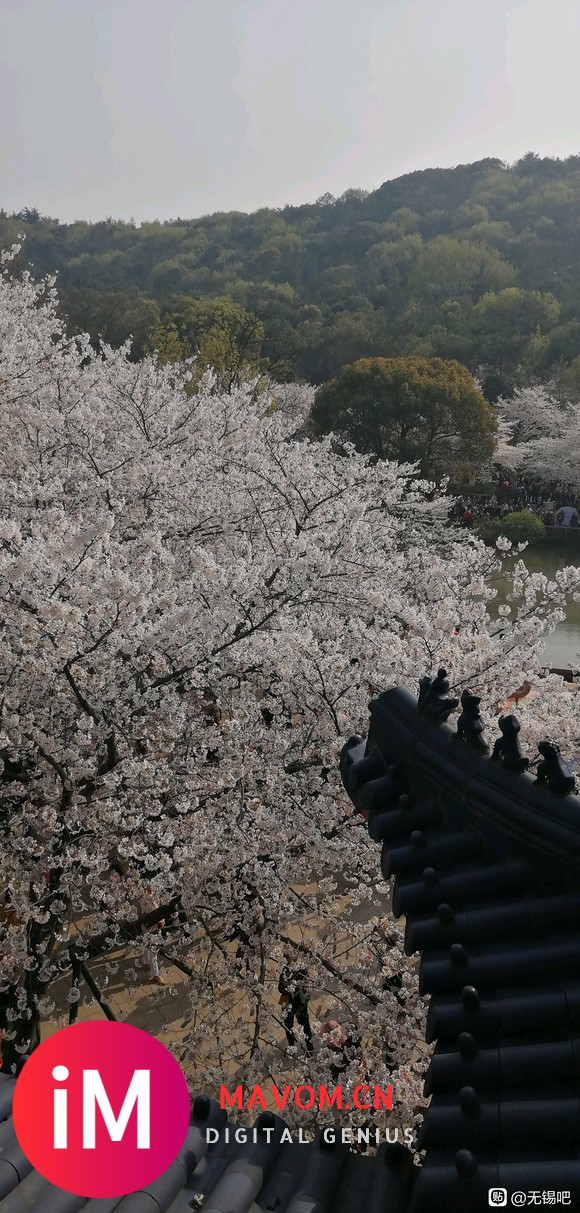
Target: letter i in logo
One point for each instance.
(60, 1136)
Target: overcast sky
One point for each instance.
(160, 108)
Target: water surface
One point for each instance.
(563, 646)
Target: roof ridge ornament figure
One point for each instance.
(507, 747)
(470, 725)
(435, 700)
(553, 770)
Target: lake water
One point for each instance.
(563, 646)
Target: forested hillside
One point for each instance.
(477, 263)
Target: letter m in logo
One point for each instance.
(138, 1093)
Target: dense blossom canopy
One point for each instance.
(196, 606)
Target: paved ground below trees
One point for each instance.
(164, 1010)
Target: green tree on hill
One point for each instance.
(112, 317)
(511, 327)
(221, 334)
(411, 410)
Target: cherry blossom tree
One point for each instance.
(532, 412)
(196, 606)
(539, 435)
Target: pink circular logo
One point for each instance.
(101, 1109)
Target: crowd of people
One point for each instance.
(555, 504)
